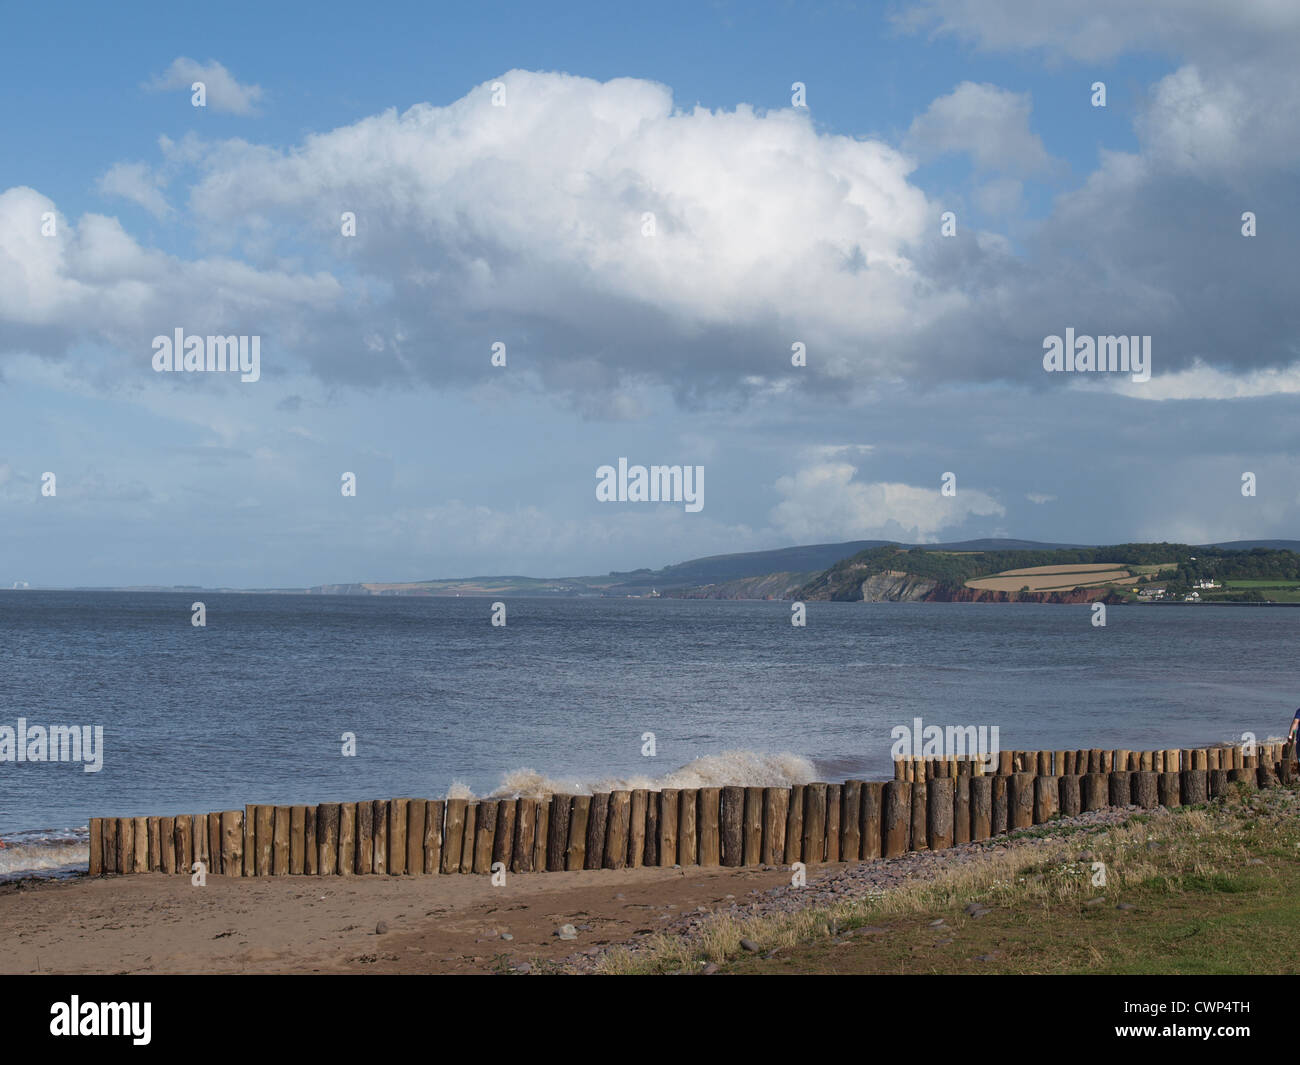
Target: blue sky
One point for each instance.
(521, 224)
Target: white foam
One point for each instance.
(735, 768)
(43, 856)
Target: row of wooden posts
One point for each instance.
(730, 826)
(1096, 760)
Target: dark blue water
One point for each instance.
(252, 707)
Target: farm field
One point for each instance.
(1052, 578)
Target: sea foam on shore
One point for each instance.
(728, 768)
(44, 852)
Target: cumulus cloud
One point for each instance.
(137, 183)
(92, 282)
(825, 501)
(224, 93)
(989, 124)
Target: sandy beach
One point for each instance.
(153, 923)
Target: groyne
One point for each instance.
(930, 804)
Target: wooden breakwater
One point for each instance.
(929, 805)
(1096, 760)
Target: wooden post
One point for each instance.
(397, 816)
(920, 812)
(1121, 763)
(184, 843)
(503, 843)
(144, 846)
(650, 852)
(1020, 800)
(939, 814)
(1058, 763)
(752, 850)
(1005, 763)
(710, 827)
(871, 819)
(310, 852)
(776, 819)
(281, 829)
(579, 814)
(1169, 789)
(1070, 796)
(327, 839)
(363, 845)
(1244, 776)
(813, 849)
(1044, 763)
(1096, 791)
(381, 824)
(1266, 773)
(1046, 799)
(485, 836)
(961, 825)
(732, 820)
(415, 812)
(250, 840)
(1120, 788)
(669, 800)
(108, 831)
(232, 842)
(346, 864)
(850, 821)
(897, 818)
(167, 844)
(598, 829)
(636, 828)
(199, 833)
(542, 834)
(794, 824)
(1218, 782)
(433, 814)
(470, 839)
(213, 821)
(557, 838)
(831, 844)
(1000, 805)
(526, 835)
(618, 821)
(1195, 786)
(96, 867)
(981, 807)
(263, 838)
(1145, 790)
(688, 849)
(453, 835)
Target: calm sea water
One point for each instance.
(252, 708)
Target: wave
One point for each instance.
(734, 768)
(44, 852)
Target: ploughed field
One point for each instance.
(1053, 578)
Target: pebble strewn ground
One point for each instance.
(845, 883)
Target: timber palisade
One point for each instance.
(931, 804)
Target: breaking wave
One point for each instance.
(728, 768)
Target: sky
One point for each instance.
(649, 208)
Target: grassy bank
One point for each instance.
(1210, 889)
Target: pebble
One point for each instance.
(749, 945)
(1126, 906)
(567, 931)
(381, 927)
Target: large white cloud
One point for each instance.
(825, 501)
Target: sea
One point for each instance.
(307, 699)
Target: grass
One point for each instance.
(1212, 889)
